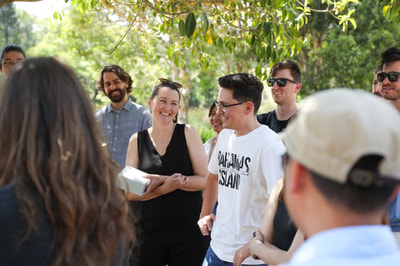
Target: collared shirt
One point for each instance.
(394, 214)
(119, 126)
(366, 245)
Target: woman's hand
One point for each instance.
(174, 182)
(155, 181)
(241, 254)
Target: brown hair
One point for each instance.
(120, 72)
(167, 84)
(51, 150)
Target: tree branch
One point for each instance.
(129, 29)
(6, 2)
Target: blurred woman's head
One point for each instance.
(51, 149)
(215, 119)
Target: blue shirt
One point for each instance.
(366, 245)
(119, 126)
(394, 214)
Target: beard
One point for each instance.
(118, 96)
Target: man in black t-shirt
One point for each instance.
(285, 83)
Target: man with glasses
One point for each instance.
(342, 168)
(244, 166)
(389, 77)
(10, 56)
(285, 83)
(121, 118)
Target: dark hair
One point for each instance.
(167, 84)
(287, 64)
(12, 47)
(357, 198)
(120, 72)
(51, 150)
(246, 87)
(212, 107)
(388, 56)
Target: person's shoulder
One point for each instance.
(137, 108)
(267, 131)
(225, 133)
(189, 129)
(265, 117)
(100, 112)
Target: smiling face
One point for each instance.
(233, 115)
(114, 87)
(165, 105)
(215, 120)
(283, 95)
(391, 90)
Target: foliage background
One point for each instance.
(337, 43)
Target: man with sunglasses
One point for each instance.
(389, 77)
(285, 83)
(244, 166)
(342, 168)
(121, 118)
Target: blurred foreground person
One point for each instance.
(342, 169)
(59, 203)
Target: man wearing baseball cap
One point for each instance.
(341, 170)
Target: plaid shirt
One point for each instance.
(119, 126)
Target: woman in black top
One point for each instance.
(173, 156)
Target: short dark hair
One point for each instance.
(12, 47)
(246, 87)
(120, 72)
(389, 55)
(357, 198)
(212, 107)
(287, 64)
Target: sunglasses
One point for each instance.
(280, 81)
(392, 76)
(173, 83)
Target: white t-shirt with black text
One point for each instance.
(248, 167)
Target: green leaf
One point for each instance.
(190, 24)
(258, 70)
(206, 23)
(182, 27)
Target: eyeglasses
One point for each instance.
(392, 76)
(280, 81)
(173, 83)
(224, 106)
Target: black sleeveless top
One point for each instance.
(176, 213)
(284, 229)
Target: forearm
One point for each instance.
(159, 191)
(210, 196)
(196, 183)
(270, 254)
